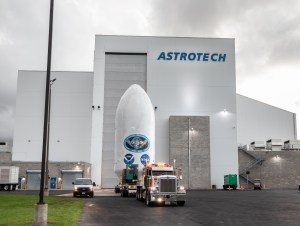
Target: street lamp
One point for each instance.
(41, 209)
(46, 191)
(46, 112)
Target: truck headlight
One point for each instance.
(181, 188)
(75, 188)
(91, 188)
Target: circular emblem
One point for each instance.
(128, 159)
(137, 143)
(145, 159)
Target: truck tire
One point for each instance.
(148, 202)
(6, 188)
(180, 203)
(126, 193)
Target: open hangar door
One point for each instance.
(121, 71)
(69, 176)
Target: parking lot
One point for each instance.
(210, 207)
(266, 207)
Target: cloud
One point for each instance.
(266, 34)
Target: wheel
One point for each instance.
(148, 202)
(141, 196)
(6, 187)
(180, 203)
(74, 195)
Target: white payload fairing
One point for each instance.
(134, 130)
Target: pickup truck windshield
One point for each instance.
(83, 182)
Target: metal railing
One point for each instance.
(255, 160)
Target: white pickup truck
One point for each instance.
(83, 187)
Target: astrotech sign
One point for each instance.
(192, 56)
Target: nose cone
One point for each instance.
(135, 129)
(136, 102)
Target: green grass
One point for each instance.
(18, 210)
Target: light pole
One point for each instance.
(41, 209)
(46, 190)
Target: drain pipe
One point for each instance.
(189, 153)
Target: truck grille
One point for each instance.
(167, 185)
(83, 189)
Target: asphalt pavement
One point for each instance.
(203, 207)
(211, 207)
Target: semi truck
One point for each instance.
(9, 177)
(230, 181)
(160, 184)
(129, 179)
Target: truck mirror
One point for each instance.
(73, 183)
(94, 184)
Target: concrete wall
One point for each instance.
(5, 157)
(197, 139)
(280, 170)
(55, 168)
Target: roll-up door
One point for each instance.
(33, 179)
(69, 176)
(121, 71)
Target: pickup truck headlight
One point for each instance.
(91, 188)
(75, 188)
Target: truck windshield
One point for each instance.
(83, 182)
(158, 173)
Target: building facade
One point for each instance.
(191, 83)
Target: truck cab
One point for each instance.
(83, 187)
(160, 184)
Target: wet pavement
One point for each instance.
(212, 207)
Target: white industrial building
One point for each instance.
(182, 76)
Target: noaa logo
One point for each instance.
(136, 143)
(145, 159)
(128, 159)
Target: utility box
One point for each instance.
(257, 146)
(291, 145)
(274, 145)
(53, 183)
(230, 181)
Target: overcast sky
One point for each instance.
(266, 32)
